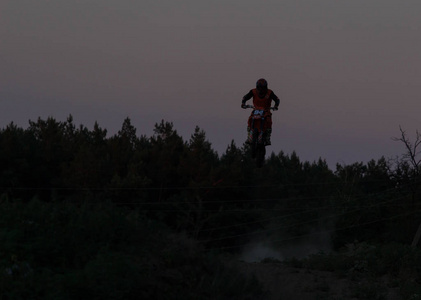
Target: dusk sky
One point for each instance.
(348, 72)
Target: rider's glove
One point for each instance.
(243, 105)
(275, 108)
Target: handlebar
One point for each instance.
(252, 107)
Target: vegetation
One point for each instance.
(95, 251)
(128, 215)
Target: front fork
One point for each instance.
(262, 133)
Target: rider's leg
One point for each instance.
(249, 132)
(249, 136)
(267, 136)
(268, 130)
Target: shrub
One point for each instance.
(65, 251)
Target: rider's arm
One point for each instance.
(276, 99)
(246, 97)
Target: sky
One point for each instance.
(348, 72)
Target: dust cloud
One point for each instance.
(287, 248)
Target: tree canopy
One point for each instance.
(221, 200)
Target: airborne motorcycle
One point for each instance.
(258, 146)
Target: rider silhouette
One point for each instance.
(262, 99)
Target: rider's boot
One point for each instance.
(249, 136)
(267, 137)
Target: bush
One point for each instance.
(65, 251)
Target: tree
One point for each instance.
(201, 157)
(408, 166)
(408, 170)
(89, 167)
(122, 147)
(17, 157)
(197, 166)
(167, 150)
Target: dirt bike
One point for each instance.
(258, 146)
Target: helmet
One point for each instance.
(262, 84)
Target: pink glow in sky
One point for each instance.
(348, 72)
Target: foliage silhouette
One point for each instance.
(223, 202)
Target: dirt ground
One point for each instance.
(285, 282)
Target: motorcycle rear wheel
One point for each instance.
(258, 150)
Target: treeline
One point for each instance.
(221, 200)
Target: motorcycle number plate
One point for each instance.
(258, 112)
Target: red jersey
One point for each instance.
(261, 102)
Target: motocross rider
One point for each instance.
(262, 99)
